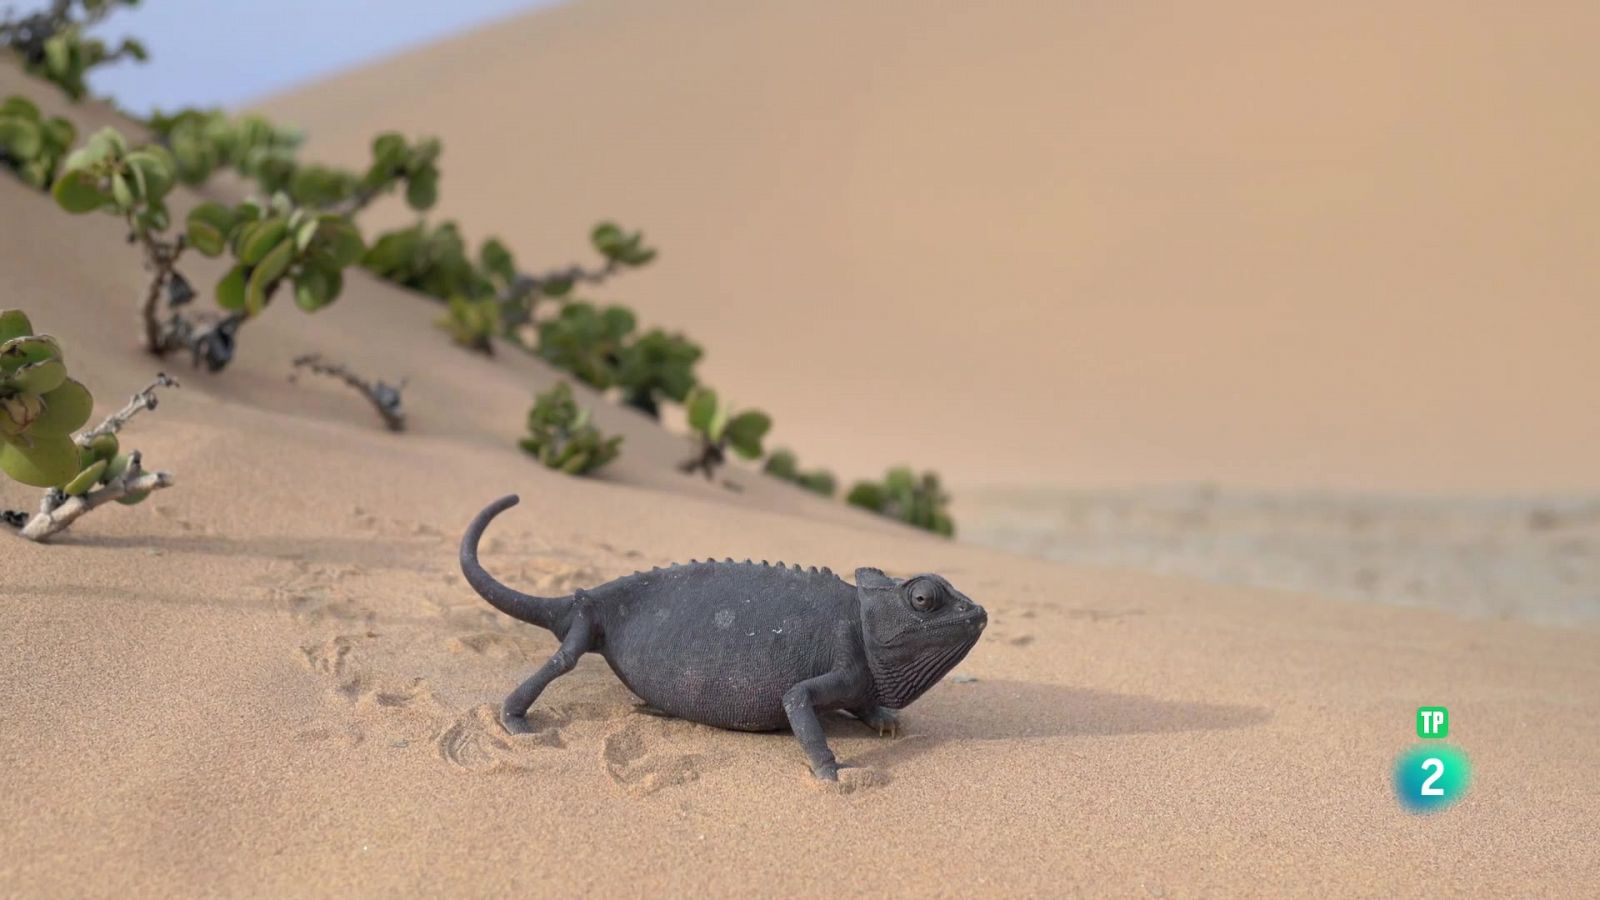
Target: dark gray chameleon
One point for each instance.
(747, 646)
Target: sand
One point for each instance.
(270, 680)
(1269, 245)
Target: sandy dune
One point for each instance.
(1307, 245)
(271, 680)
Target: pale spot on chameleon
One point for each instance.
(724, 618)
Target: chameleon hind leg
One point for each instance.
(514, 714)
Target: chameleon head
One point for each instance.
(914, 631)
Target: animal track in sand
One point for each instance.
(476, 742)
(635, 760)
(493, 644)
(853, 779)
(332, 658)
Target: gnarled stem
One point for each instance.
(384, 397)
(57, 511)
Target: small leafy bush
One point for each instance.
(40, 407)
(561, 436)
(53, 43)
(656, 366)
(205, 141)
(904, 495)
(32, 145)
(585, 340)
(718, 429)
(472, 323)
(783, 464)
(432, 260)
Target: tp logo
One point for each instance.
(1430, 777)
(1433, 722)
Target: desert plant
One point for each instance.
(203, 141)
(432, 260)
(32, 145)
(40, 407)
(53, 43)
(655, 366)
(914, 499)
(472, 324)
(561, 436)
(783, 464)
(585, 340)
(717, 429)
(384, 397)
(272, 243)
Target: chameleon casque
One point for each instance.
(747, 646)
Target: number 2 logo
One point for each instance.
(1435, 765)
(1430, 777)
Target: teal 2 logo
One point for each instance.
(1430, 777)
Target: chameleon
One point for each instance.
(747, 646)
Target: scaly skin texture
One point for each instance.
(748, 646)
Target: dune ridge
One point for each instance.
(1255, 244)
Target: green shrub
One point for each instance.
(783, 464)
(432, 260)
(561, 437)
(40, 407)
(915, 500)
(53, 43)
(271, 244)
(717, 429)
(472, 323)
(586, 340)
(32, 145)
(656, 366)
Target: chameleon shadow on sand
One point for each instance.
(998, 709)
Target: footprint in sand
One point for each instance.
(332, 658)
(639, 759)
(475, 742)
(492, 644)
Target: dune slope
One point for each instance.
(1310, 245)
(270, 680)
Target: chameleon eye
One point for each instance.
(924, 596)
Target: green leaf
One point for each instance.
(155, 166)
(27, 350)
(78, 192)
(104, 446)
(204, 237)
(121, 193)
(133, 497)
(312, 290)
(40, 462)
(702, 409)
(66, 409)
(20, 138)
(261, 238)
(422, 190)
(39, 377)
(14, 324)
(264, 275)
(343, 240)
(745, 432)
(231, 289)
(114, 469)
(84, 480)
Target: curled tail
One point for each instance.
(541, 611)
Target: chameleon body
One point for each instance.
(747, 646)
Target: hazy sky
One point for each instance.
(225, 52)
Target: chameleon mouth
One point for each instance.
(977, 620)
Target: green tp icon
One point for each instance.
(1433, 722)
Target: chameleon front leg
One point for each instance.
(880, 718)
(801, 702)
(514, 714)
